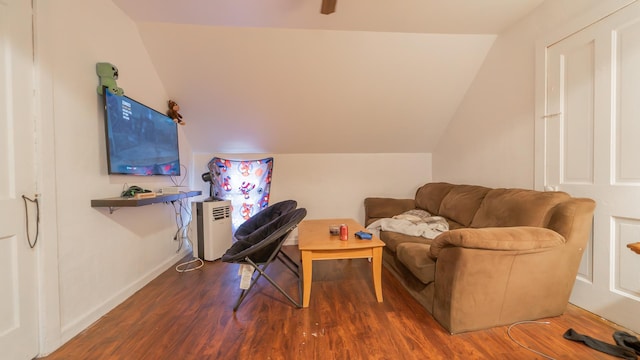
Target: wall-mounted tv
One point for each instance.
(140, 140)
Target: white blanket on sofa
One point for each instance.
(427, 227)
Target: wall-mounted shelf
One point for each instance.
(118, 202)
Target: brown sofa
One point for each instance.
(509, 255)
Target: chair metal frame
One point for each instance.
(278, 237)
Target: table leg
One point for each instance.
(307, 271)
(377, 272)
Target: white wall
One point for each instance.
(490, 140)
(101, 258)
(335, 185)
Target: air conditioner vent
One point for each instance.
(220, 213)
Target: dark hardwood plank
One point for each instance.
(190, 316)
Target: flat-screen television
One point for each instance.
(140, 140)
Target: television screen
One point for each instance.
(140, 140)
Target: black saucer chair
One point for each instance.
(264, 217)
(261, 247)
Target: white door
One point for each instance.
(18, 302)
(592, 149)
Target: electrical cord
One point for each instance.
(182, 234)
(180, 269)
(26, 212)
(524, 346)
(180, 224)
(183, 229)
(180, 182)
(125, 186)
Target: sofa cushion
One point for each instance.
(454, 225)
(461, 203)
(429, 196)
(378, 208)
(414, 257)
(393, 239)
(516, 207)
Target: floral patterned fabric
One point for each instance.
(246, 183)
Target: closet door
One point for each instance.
(591, 134)
(18, 282)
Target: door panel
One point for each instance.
(626, 167)
(577, 85)
(570, 139)
(591, 150)
(9, 278)
(627, 266)
(18, 294)
(627, 58)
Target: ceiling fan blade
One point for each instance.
(328, 6)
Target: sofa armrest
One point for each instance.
(379, 208)
(495, 276)
(517, 238)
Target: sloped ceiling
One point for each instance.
(276, 76)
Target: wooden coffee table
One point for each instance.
(315, 243)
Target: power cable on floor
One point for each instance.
(524, 346)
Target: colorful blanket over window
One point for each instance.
(246, 183)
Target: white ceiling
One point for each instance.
(276, 76)
(416, 16)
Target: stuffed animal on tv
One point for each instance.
(108, 73)
(173, 112)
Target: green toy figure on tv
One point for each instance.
(108, 74)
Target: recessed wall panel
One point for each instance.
(6, 129)
(578, 92)
(585, 271)
(626, 266)
(6, 148)
(553, 119)
(9, 279)
(627, 120)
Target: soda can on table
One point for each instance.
(344, 232)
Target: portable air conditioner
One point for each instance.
(212, 223)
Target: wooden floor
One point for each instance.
(190, 316)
